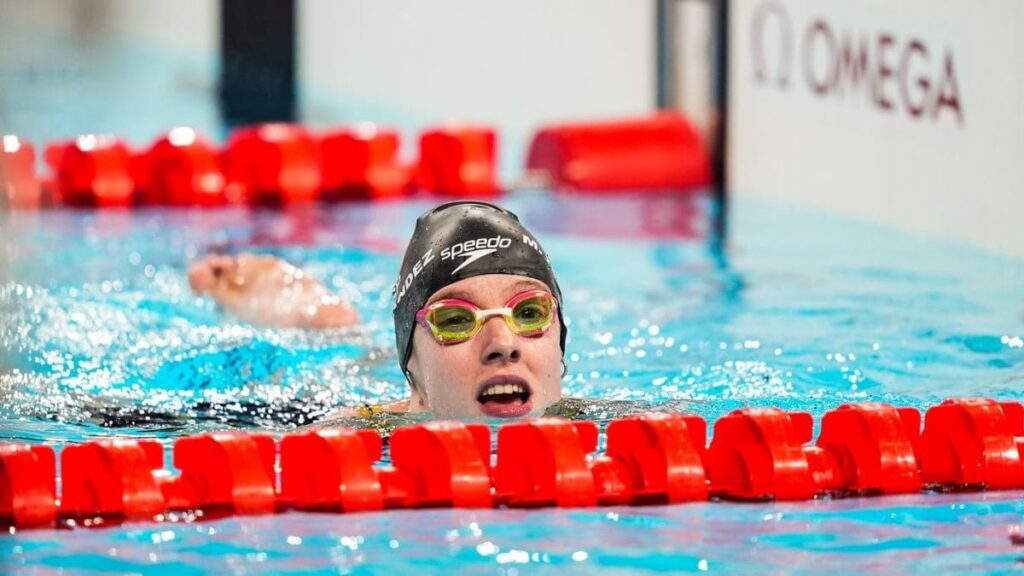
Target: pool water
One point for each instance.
(100, 335)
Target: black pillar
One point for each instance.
(721, 97)
(664, 38)
(257, 81)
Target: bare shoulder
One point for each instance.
(382, 418)
(368, 410)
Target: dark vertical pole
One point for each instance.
(721, 100)
(721, 89)
(663, 53)
(257, 82)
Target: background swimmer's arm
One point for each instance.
(268, 291)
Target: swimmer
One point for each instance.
(268, 291)
(478, 312)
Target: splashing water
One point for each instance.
(100, 334)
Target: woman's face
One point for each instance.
(495, 373)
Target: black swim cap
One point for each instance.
(460, 240)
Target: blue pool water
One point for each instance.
(100, 335)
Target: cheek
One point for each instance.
(548, 368)
(445, 370)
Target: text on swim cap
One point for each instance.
(474, 245)
(533, 244)
(400, 290)
(473, 250)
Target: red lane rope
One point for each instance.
(756, 454)
(277, 164)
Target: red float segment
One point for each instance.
(872, 445)
(331, 470)
(650, 458)
(824, 468)
(660, 456)
(543, 462)
(973, 442)
(19, 187)
(180, 169)
(663, 151)
(362, 163)
(111, 479)
(373, 442)
(154, 452)
(447, 463)
(459, 161)
(758, 453)
(435, 464)
(611, 481)
(92, 171)
(224, 471)
(28, 486)
(272, 164)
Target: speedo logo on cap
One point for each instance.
(473, 250)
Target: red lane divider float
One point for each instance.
(19, 186)
(658, 457)
(442, 464)
(543, 463)
(92, 171)
(331, 470)
(975, 442)
(872, 447)
(277, 164)
(758, 453)
(762, 453)
(179, 169)
(434, 464)
(272, 164)
(663, 151)
(240, 480)
(459, 161)
(655, 458)
(362, 163)
(755, 454)
(111, 479)
(28, 486)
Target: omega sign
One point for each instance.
(892, 73)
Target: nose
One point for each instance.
(500, 344)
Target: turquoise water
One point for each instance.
(100, 335)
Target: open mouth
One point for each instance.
(505, 397)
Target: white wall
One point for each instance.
(936, 146)
(184, 25)
(407, 63)
(129, 67)
(511, 64)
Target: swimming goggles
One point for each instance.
(453, 321)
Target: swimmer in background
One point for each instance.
(478, 312)
(268, 291)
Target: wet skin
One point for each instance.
(268, 291)
(462, 380)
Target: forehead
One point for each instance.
(487, 290)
